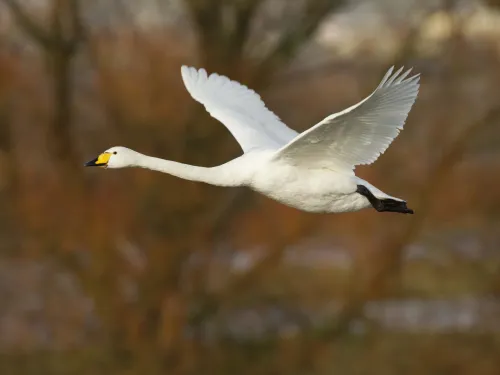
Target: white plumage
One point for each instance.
(240, 109)
(312, 171)
(359, 134)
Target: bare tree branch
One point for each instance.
(48, 39)
(60, 43)
(296, 35)
(34, 30)
(222, 45)
(244, 14)
(79, 31)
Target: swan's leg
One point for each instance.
(381, 205)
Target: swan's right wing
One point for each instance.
(239, 108)
(359, 134)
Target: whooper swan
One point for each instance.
(311, 171)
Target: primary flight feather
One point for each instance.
(312, 171)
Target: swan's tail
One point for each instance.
(384, 204)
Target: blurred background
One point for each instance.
(131, 272)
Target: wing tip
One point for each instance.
(396, 78)
(187, 71)
(191, 75)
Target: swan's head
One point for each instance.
(115, 157)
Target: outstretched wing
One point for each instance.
(239, 108)
(359, 134)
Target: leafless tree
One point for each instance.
(59, 40)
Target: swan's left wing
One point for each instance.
(359, 134)
(239, 108)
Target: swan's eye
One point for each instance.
(115, 153)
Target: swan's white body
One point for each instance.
(312, 171)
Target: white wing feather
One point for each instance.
(359, 134)
(239, 108)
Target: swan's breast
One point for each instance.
(314, 190)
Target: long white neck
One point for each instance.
(222, 175)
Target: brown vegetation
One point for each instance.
(134, 272)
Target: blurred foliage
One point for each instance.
(131, 272)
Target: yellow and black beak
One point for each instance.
(100, 161)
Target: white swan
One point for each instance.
(312, 171)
